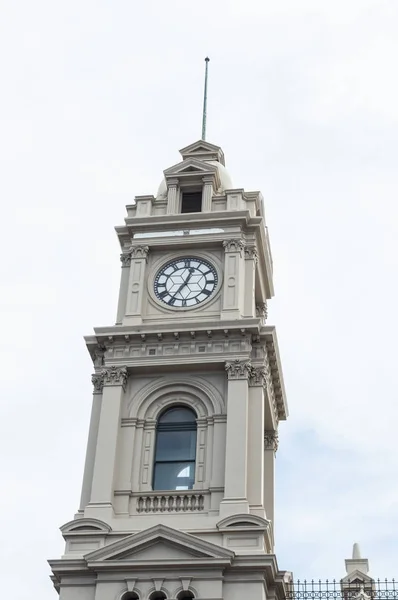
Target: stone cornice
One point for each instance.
(238, 369)
(277, 383)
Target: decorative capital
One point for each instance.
(97, 379)
(262, 310)
(238, 369)
(125, 259)
(139, 251)
(258, 377)
(172, 182)
(251, 253)
(234, 246)
(271, 440)
(115, 376)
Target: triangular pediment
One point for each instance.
(203, 149)
(190, 166)
(356, 577)
(156, 544)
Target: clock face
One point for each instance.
(185, 282)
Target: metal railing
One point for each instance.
(372, 589)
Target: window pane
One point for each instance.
(175, 445)
(178, 415)
(174, 476)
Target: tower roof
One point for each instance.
(208, 153)
(356, 566)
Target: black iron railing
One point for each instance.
(374, 589)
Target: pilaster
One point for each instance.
(270, 448)
(98, 384)
(114, 385)
(139, 258)
(172, 196)
(256, 442)
(251, 260)
(233, 279)
(207, 193)
(148, 450)
(235, 492)
(125, 259)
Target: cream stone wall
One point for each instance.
(219, 358)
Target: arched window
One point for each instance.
(175, 450)
(157, 596)
(130, 596)
(185, 595)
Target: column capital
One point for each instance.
(172, 183)
(234, 246)
(125, 259)
(271, 440)
(251, 253)
(208, 179)
(139, 251)
(115, 376)
(97, 379)
(262, 310)
(238, 369)
(258, 376)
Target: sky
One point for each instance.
(96, 99)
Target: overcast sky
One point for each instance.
(96, 99)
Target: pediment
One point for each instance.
(356, 577)
(158, 543)
(204, 150)
(190, 166)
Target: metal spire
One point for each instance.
(207, 59)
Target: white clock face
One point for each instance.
(185, 282)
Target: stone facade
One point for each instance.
(218, 358)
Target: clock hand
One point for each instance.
(191, 270)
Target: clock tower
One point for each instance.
(177, 498)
